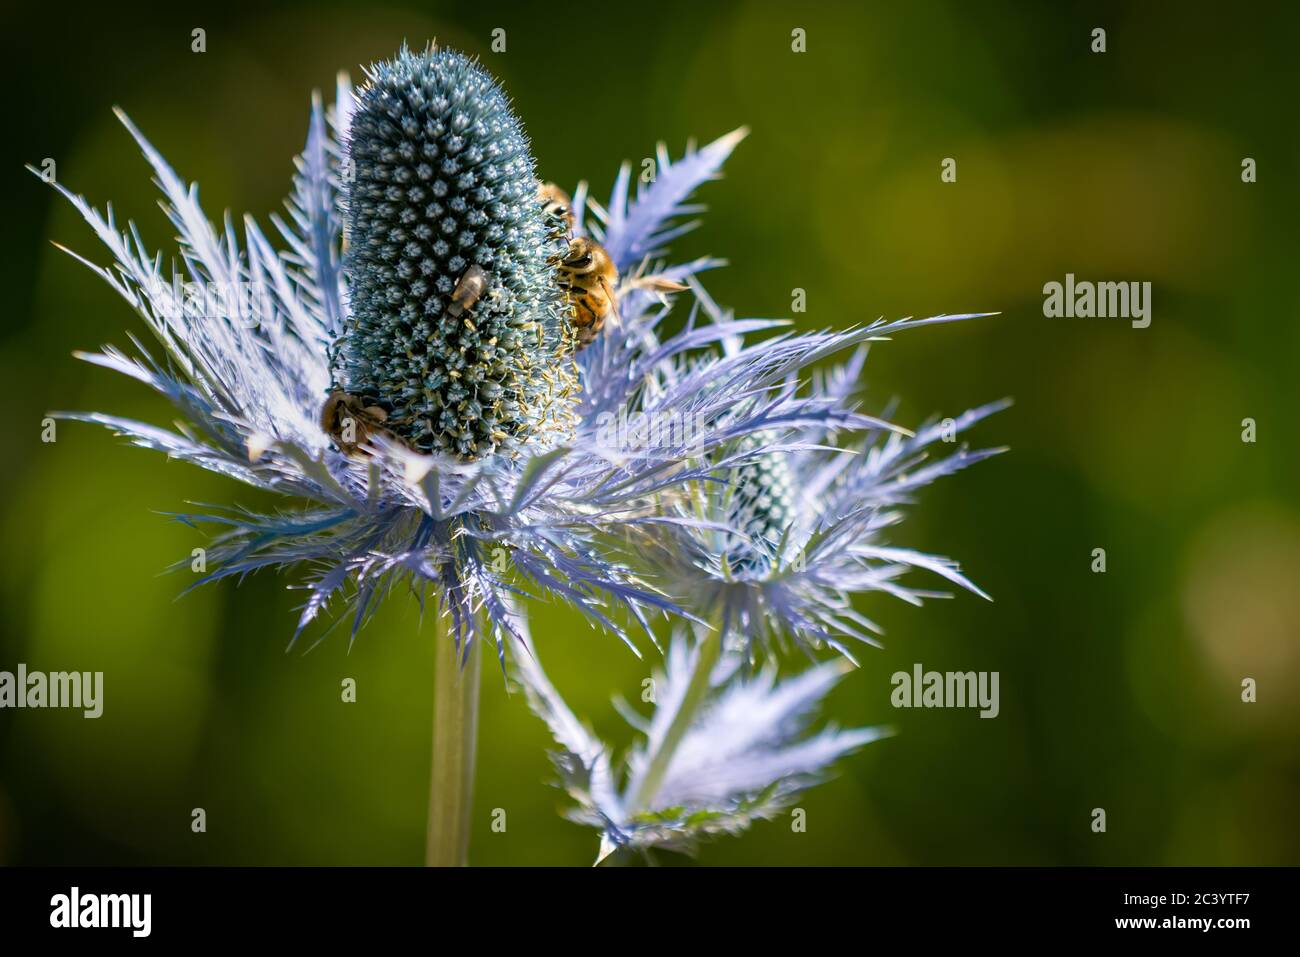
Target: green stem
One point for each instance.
(710, 646)
(455, 731)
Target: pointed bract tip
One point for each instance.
(607, 847)
(733, 138)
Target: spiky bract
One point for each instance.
(746, 754)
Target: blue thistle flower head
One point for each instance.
(249, 375)
(802, 520)
(443, 182)
(417, 277)
(429, 152)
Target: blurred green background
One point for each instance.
(1119, 691)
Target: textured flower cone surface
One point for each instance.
(761, 508)
(442, 181)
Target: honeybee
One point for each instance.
(558, 210)
(587, 274)
(467, 291)
(350, 422)
(588, 277)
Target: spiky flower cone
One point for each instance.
(443, 180)
(761, 508)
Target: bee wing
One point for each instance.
(661, 283)
(613, 300)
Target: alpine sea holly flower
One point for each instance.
(483, 470)
(252, 391)
(800, 526)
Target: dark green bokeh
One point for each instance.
(1119, 691)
